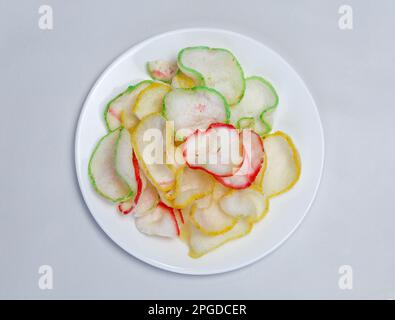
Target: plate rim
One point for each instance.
(157, 264)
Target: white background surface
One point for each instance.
(44, 79)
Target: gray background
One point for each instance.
(46, 75)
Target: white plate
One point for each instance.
(297, 115)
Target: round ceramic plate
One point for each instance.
(297, 115)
